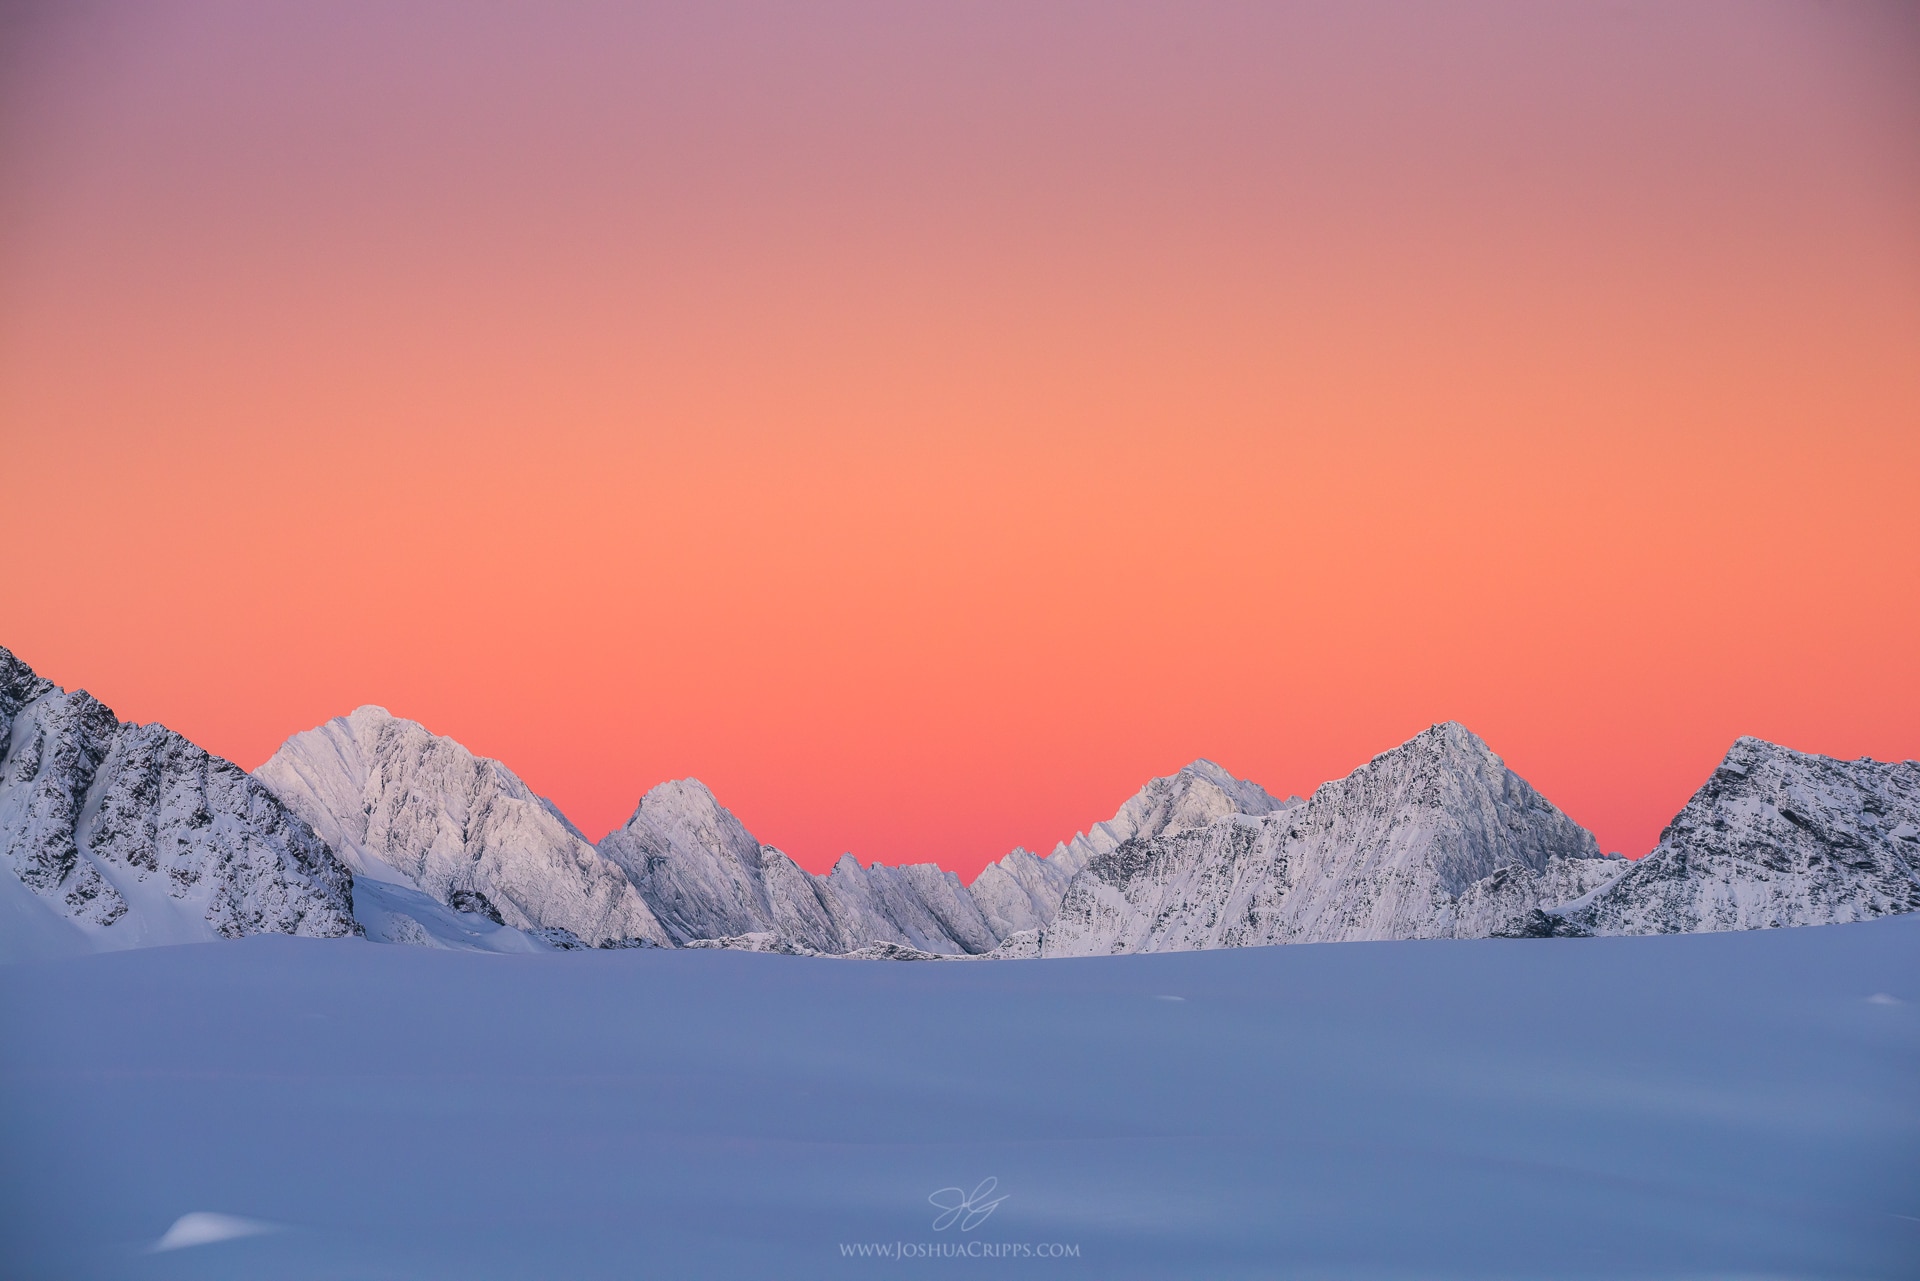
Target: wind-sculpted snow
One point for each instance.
(1775, 838)
(401, 803)
(136, 836)
(1434, 839)
(1662, 1109)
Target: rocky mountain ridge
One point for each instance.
(1774, 838)
(126, 835)
(1433, 839)
(710, 880)
(370, 823)
(409, 810)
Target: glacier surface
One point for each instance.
(1734, 1104)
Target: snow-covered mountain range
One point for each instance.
(709, 879)
(1775, 838)
(1434, 839)
(415, 814)
(124, 834)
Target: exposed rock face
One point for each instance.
(1508, 903)
(141, 837)
(1434, 839)
(1775, 838)
(402, 804)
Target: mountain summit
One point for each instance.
(124, 835)
(1434, 839)
(411, 810)
(710, 880)
(1774, 838)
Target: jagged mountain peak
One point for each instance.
(125, 835)
(685, 811)
(1774, 837)
(19, 685)
(1198, 793)
(1247, 796)
(1437, 767)
(687, 796)
(1409, 845)
(1443, 740)
(418, 810)
(1023, 891)
(694, 861)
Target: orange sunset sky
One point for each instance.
(924, 423)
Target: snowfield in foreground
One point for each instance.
(1680, 1106)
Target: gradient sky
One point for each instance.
(924, 423)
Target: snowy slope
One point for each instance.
(1434, 839)
(1775, 838)
(1725, 1105)
(118, 835)
(418, 811)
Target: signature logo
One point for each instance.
(968, 1209)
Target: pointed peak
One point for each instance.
(677, 795)
(1444, 738)
(681, 787)
(1453, 732)
(1246, 797)
(374, 724)
(19, 683)
(1199, 793)
(1205, 768)
(687, 803)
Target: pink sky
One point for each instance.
(925, 423)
